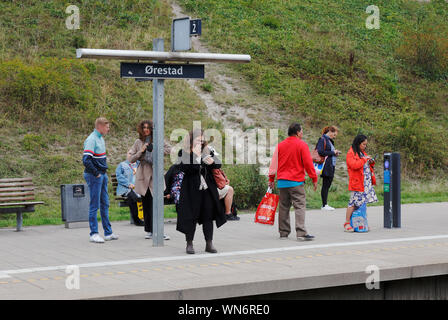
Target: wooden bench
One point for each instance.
(16, 195)
(121, 200)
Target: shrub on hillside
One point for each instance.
(34, 142)
(248, 184)
(425, 51)
(418, 142)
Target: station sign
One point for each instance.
(161, 71)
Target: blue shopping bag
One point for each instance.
(358, 221)
(318, 167)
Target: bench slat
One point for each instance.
(16, 184)
(16, 199)
(16, 189)
(31, 203)
(13, 194)
(15, 179)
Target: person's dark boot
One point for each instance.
(209, 247)
(190, 249)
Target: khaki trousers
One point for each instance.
(296, 197)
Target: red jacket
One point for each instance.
(291, 159)
(355, 170)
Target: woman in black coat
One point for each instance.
(199, 200)
(325, 148)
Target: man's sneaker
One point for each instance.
(327, 207)
(231, 217)
(96, 238)
(149, 236)
(111, 237)
(306, 237)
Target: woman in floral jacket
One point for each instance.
(361, 178)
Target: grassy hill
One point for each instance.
(317, 60)
(392, 89)
(49, 99)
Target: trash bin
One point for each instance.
(75, 205)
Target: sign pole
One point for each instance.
(158, 154)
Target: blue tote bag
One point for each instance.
(358, 221)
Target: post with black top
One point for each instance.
(387, 199)
(396, 190)
(392, 190)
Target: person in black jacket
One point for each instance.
(325, 148)
(199, 201)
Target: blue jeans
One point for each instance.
(99, 199)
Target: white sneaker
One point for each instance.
(149, 236)
(96, 238)
(327, 207)
(111, 237)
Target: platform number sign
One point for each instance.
(195, 27)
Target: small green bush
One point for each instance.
(207, 86)
(34, 142)
(425, 51)
(418, 142)
(271, 22)
(248, 183)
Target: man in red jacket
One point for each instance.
(291, 159)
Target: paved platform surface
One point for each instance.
(251, 260)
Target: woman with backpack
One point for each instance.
(325, 148)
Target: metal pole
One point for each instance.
(86, 53)
(396, 190)
(158, 178)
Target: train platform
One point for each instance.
(52, 262)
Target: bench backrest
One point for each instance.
(16, 190)
(113, 178)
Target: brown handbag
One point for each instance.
(220, 178)
(316, 156)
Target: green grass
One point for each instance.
(301, 61)
(411, 192)
(49, 99)
(48, 214)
